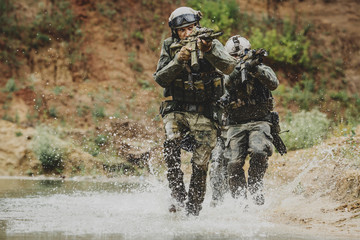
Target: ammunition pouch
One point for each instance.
(205, 87)
(242, 112)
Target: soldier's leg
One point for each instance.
(260, 149)
(238, 150)
(218, 173)
(197, 189)
(204, 132)
(173, 126)
(174, 174)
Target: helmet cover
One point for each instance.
(237, 45)
(183, 16)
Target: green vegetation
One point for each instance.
(53, 112)
(287, 47)
(218, 15)
(134, 63)
(18, 134)
(10, 86)
(101, 140)
(98, 112)
(58, 90)
(106, 9)
(306, 129)
(281, 39)
(288, 43)
(53, 22)
(48, 151)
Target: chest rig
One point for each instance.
(201, 86)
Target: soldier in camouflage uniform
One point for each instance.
(249, 121)
(188, 115)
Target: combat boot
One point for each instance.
(174, 174)
(197, 190)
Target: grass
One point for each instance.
(306, 129)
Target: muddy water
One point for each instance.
(135, 209)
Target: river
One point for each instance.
(133, 208)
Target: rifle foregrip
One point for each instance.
(194, 61)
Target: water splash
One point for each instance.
(112, 211)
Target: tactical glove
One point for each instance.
(184, 54)
(203, 45)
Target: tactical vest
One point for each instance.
(198, 87)
(253, 101)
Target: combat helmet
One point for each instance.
(182, 17)
(237, 45)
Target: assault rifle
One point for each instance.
(203, 33)
(275, 131)
(248, 61)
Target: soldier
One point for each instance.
(189, 114)
(249, 118)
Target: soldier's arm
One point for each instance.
(233, 79)
(219, 58)
(266, 76)
(167, 68)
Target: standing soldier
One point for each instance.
(189, 114)
(251, 124)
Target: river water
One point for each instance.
(135, 208)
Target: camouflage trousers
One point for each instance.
(178, 126)
(252, 138)
(218, 170)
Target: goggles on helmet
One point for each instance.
(183, 19)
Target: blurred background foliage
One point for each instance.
(309, 94)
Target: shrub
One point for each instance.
(53, 112)
(286, 47)
(99, 112)
(218, 15)
(101, 140)
(134, 64)
(49, 153)
(306, 129)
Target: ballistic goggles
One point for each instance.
(183, 20)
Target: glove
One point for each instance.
(203, 45)
(184, 54)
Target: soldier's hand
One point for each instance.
(184, 54)
(203, 45)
